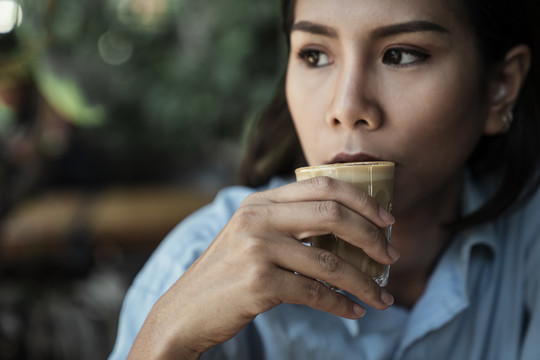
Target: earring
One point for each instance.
(508, 119)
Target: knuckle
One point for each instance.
(329, 262)
(250, 214)
(316, 291)
(374, 235)
(246, 212)
(330, 210)
(323, 184)
(363, 200)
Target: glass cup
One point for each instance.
(375, 178)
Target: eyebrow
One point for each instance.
(408, 27)
(386, 31)
(313, 28)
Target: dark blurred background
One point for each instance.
(117, 119)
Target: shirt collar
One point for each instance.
(446, 293)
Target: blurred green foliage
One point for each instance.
(154, 79)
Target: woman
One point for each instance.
(434, 86)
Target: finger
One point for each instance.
(298, 289)
(326, 188)
(324, 265)
(306, 219)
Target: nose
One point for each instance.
(354, 104)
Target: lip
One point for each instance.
(358, 157)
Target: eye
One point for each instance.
(314, 58)
(403, 57)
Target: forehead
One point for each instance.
(361, 14)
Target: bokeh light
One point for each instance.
(11, 15)
(114, 48)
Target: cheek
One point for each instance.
(445, 131)
(448, 110)
(307, 107)
(435, 137)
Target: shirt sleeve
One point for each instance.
(170, 260)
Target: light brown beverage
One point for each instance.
(376, 179)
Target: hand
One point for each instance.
(258, 262)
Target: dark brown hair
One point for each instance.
(499, 25)
(273, 147)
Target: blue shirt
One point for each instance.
(482, 301)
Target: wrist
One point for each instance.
(159, 339)
(153, 347)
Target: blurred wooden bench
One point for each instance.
(130, 219)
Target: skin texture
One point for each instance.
(358, 87)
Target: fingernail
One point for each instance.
(359, 310)
(385, 216)
(386, 297)
(392, 252)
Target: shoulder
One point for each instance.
(521, 231)
(528, 226)
(525, 223)
(528, 220)
(190, 238)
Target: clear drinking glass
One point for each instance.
(375, 178)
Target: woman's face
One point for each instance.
(388, 80)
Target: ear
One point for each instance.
(505, 87)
